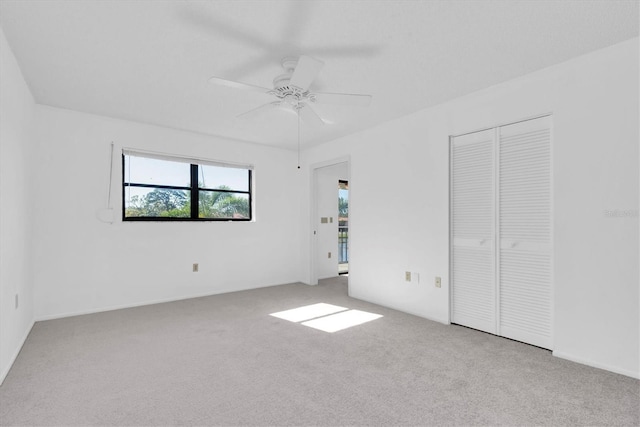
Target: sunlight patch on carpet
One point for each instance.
(326, 317)
(308, 312)
(343, 320)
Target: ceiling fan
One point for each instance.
(291, 91)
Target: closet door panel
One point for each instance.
(473, 230)
(524, 217)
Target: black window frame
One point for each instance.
(194, 190)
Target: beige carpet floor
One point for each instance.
(223, 360)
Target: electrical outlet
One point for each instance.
(407, 276)
(195, 267)
(328, 254)
(17, 304)
(438, 282)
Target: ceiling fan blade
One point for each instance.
(298, 16)
(257, 111)
(238, 85)
(343, 99)
(200, 15)
(306, 71)
(309, 116)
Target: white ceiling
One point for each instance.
(149, 61)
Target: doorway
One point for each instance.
(329, 254)
(343, 227)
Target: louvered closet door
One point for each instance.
(524, 225)
(473, 230)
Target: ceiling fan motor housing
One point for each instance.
(290, 94)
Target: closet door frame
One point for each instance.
(496, 248)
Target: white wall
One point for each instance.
(399, 201)
(326, 190)
(16, 122)
(84, 265)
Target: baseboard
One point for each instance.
(598, 365)
(150, 302)
(401, 309)
(15, 354)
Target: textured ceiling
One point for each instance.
(149, 61)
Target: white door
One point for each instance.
(524, 217)
(473, 231)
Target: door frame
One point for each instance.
(342, 181)
(313, 210)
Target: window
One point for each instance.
(163, 188)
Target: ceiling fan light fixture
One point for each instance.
(292, 100)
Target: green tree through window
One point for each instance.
(152, 190)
